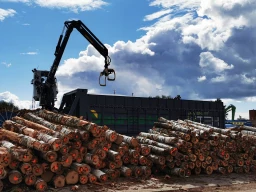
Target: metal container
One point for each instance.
(131, 115)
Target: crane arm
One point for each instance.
(60, 48)
(45, 90)
(229, 108)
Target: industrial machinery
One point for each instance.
(231, 108)
(45, 83)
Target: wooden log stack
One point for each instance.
(42, 148)
(183, 148)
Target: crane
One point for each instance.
(45, 88)
(231, 108)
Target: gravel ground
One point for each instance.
(201, 183)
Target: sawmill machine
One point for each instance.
(45, 83)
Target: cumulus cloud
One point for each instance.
(4, 13)
(9, 97)
(197, 49)
(74, 5)
(212, 64)
(201, 79)
(30, 53)
(192, 41)
(6, 64)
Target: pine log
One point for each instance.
(40, 185)
(25, 140)
(30, 179)
(15, 177)
(47, 176)
(81, 168)
(58, 181)
(130, 140)
(71, 177)
(26, 168)
(83, 179)
(119, 139)
(40, 127)
(111, 135)
(101, 176)
(91, 159)
(92, 178)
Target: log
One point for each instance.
(119, 139)
(113, 155)
(40, 185)
(47, 176)
(17, 152)
(71, 177)
(29, 179)
(83, 179)
(26, 168)
(25, 140)
(101, 176)
(58, 181)
(49, 156)
(5, 157)
(136, 170)
(14, 164)
(40, 127)
(55, 143)
(37, 169)
(146, 171)
(55, 167)
(92, 159)
(145, 150)
(66, 160)
(15, 177)
(81, 168)
(111, 135)
(92, 178)
(130, 140)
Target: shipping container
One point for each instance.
(131, 115)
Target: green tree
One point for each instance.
(7, 106)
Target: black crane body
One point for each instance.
(45, 82)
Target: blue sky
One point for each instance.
(199, 49)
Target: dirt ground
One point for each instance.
(201, 183)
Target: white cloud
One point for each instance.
(30, 53)
(6, 64)
(157, 15)
(201, 78)
(9, 97)
(26, 24)
(74, 5)
(182, 4)
(212, 64)
(4, 13)
(248, 80)
(221, 78)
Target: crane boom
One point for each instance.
(45, 89)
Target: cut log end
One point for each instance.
(40, 185)
(59, 181)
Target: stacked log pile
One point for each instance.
(42, 148)
(200, 148)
